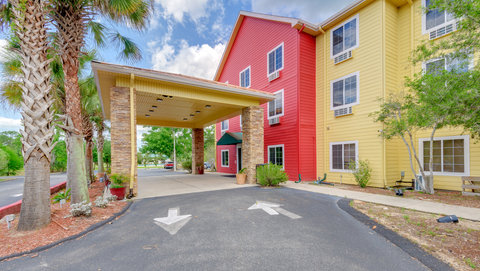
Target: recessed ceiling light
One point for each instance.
(185, 119)
(208, 106)
(198, 111)
(147, 115)
(171, 97)
(191, 115)
(151, 110)
(154, 106)
(165, 96)
(159, 99)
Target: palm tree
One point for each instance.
(72, 18)
(28, 24)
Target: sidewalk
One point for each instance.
(414, 204)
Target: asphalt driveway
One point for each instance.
(223, 234)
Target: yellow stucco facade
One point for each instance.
(388, 30)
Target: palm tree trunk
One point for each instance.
(37, 135)
(70, 23)
(89, 159)
(100, 141)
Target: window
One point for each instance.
(224, 125)
(245, 78)
(275, 155)
(450, 155)
(224, 158)
(438, 65)
(344, 37)
(342, 154)
(435, 18)
(345, 91)
(275, 107)
(275, 59)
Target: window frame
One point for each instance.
(283, 105)
(471, 63)
(343, 154)
(283, 153)
(228, 158)
(283, 58)
(249, 68)
(424, 20)
(466, 154)
(357, 33)
(240, 122)
(357, 93)
(221, 126)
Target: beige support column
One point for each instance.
(123, 134)
(197, 151)
(252, 140)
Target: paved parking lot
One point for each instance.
(234, 229)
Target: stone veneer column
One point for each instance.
(252, 141)
(120, 133)
(197, 151)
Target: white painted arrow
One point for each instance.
(273, 209)
(173, 222)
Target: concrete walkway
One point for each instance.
(414, 204)
(176, 184)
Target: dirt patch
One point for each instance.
(457, 244)
(61, 226)
(442, 196)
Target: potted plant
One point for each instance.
(117, 185)
(241, 176)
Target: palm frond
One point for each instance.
(128, 49)
(98, 31)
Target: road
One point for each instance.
(12, 190)
(223, 234)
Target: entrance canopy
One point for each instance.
(230, 139)
(174, 100)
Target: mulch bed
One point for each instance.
(457, 244)
(61, 226)
(442, 196)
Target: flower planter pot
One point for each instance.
(119, 192)
(241, 178)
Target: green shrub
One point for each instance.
(61, 195)
(271, 175)
(118, 180)
(362, 172)
(187, 164)
(242, 171)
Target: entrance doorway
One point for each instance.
(239, 157)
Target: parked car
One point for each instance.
(207, 165)
(168, 165)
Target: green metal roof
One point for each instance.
(230, 139)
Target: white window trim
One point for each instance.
(466, 154)
(471, 63)
(331, 155)
(424, 21)
(221, 126)
(283, 58)
(343, 78)
(240, 77)
(240, 122)
(221, 158)
(239, 146)
(357, 40)
(283, 105)
(283, 153)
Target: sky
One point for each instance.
(189, 36)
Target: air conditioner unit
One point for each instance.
(343, 111)
(274, 121)
(343, 57)
(418, 183)
(273, 76)
(442, 31)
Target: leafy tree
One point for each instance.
(59, 156)
(11, 139)
(3, 161)
(14, 163)
(107, 153)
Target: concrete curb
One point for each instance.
(403, 243)
(15, 207)
(89, 229)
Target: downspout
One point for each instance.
(384, 93)
(132, 136)
(298, 102)
(326, 166)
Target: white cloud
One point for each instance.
(314, 11)
(7, 124)
(140, 131)
(196, 60)
(177, 9)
